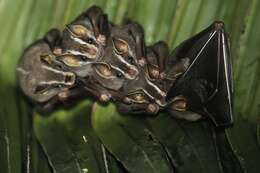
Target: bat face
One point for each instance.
(125, 50)
(119, 62)
(79, 39)
(140, 100)
(85, 38)
(156, 56)
(37, 78)
(145, 94)
(108, 76)
(207, 82)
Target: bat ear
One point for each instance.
(78, 30)
(52, 37)
(103, 25)
(70, 60)
(161, 50)
(120, 46)
(47, 59)
(137, 32)
(103, 70)
(99, 21)
(95, 19)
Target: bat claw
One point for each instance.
(219, 25)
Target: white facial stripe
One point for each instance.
(151, 97)
(80, 41)
(162, 93)
(125, 74)
(125, 62)
(51, 82)
(58, 72)
(148, 94)
(52, 69)
(24, 72)
(74, 52)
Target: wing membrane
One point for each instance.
(207, 82)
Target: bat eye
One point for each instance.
(83, 58)
(90, 41)
(79, 30)
(120, 46)
(131, 60)
(138, 97)
(41, 89)
(103, 70)
(119, 74)
(70, 60)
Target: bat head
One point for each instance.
(39, 77)
(146, 94)
(156, 55)
(108, 76)
(126, 50)
(119, 62)
(86, 35)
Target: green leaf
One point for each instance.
(258, 135)
(69, 141)
(242, 138)
(247, 81)
(10, 136)
(229, 161)
(129, 140)
(147, 13)
(190, 145)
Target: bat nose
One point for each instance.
(69, 78)
(152, 108)
(132, 72)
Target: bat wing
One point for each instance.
(207, 81)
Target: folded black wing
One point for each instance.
(207, 82)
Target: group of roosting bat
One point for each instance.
(95, 58)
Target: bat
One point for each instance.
(205, 87)
(83, 41)
(38, 78)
